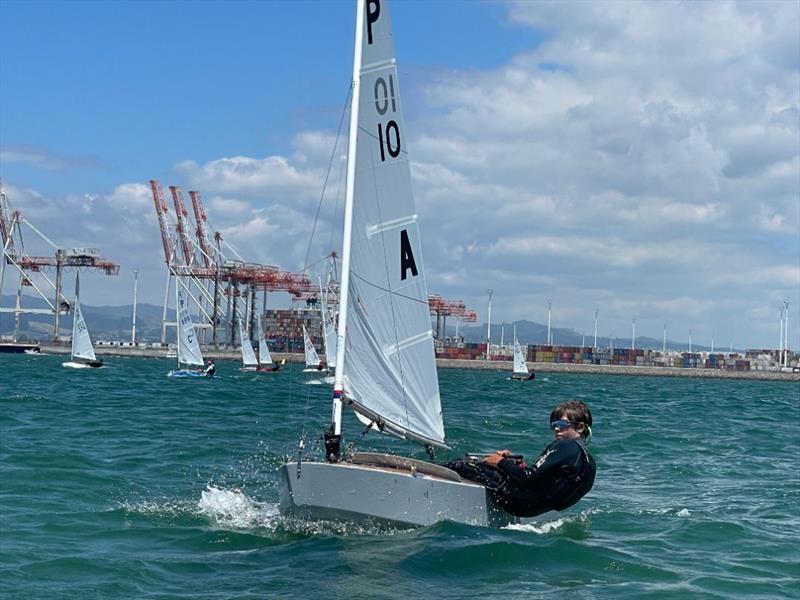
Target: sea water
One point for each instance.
(120, 482)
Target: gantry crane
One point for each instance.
(442, 309)
(32, 270)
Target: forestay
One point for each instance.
(312, 358)
(264, 357)
(248, 354)
(389, 373)
(81, 342)
(188, 346)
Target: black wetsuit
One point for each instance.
(561, 475)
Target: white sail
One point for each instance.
(387, 368)
(312, 358)
(188, 346)
(248, 354)
(519, 360)
(264, 357)
(328, 330)
(81, 342)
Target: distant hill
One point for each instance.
(114, 323)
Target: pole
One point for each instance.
(664, 341)
(549, 338)
(633, 335)
(133, 324)
(780, 338)
(595, 328)
(59, 267)
(690, 340)
(786, 337)
(489, 327)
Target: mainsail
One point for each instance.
(81, 342)
(188, 347)
(312, 358)
(328, 330)
(389, 373)
(264, 357)
(519, 360)
(248, 354)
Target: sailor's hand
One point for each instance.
(493, 459)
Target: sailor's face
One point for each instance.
(564, 429)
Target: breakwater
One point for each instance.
(447, 363)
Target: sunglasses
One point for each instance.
(560, 424)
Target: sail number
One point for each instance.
(386, 102)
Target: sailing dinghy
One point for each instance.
(249, 360)
(385, 365)
(520, 368)
(313, 363)
(328, 335)
(82, 353)
(265, 364)
(189, 353)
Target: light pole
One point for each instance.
(712, 343)
(549, 338)
(690, 340)
(633, 335)
(780, 343)
(786, 335)
(664, 341)
(595, 328)
(135, 287)
(489, 327)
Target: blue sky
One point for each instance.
(638, 158)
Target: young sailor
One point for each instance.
(210, 369)
(561, 475)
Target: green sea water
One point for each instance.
(122, 483)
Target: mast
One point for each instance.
(75, 312)
(338, 384)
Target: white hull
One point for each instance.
(396, 492)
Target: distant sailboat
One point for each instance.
(328, 330)
(249, 360)
(520, 367)
(265, 364)
(385, 365)
(82, 353)
(313, 363)
(189, 353)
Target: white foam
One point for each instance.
(539, 528)
(684, 512)
(232, 508)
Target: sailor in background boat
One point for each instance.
(562, 474)
(210, 369)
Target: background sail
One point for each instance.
(312, 358)
(328, 331)
(248, 354)
(81, 342)
(519, 359)
(188, 347)
(263, 351)
(389, 372)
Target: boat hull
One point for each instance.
(395, 495)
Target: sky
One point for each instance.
(641, 159)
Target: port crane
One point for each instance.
(32, 270)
